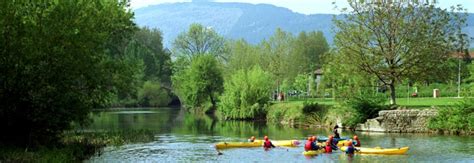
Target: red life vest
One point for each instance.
(328, 149)
(307, 146)
(267, 144)
(358, 143)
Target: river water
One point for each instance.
(182, 137)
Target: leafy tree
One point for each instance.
(246, 94)
(157, 60)
(340, 78)
(200, 40)
(301, 82)
(242, 56)
(200, 83)
(279, 50)
(395, 40)
(59, 60)
(309, 49)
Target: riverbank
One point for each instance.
(302, 114)
(419, 117)
(74, 146)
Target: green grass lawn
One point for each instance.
(409, 102)
(420, 102)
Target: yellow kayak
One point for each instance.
(223, 145)
(256, 143)
(378, 150)
(313, 152)
(343, 143)
(286, 143)
(339, 144)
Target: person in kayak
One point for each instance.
(314, 145)
(357, 141)
(308, 145)
(267, 144)
(333, 142)
(350, 148)
(328, 148)
(336, 134)
(252, 139)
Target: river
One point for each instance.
(180, 136)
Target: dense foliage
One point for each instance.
(152, 94)
(365, 106)
(148, 63)
(199, 40)
(454, 119)
(59, 60)
(246, 94)
(200, 84)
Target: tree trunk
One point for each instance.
(392, 93)
(213, 108)
(212, 101)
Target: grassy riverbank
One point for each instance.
(329, 110)
(455, 114)
(73, 147)
(406, 102)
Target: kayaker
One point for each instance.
(309, 143)
(357, 141)
(336, 134)
(328, 148)
(350, 149)
(314, 145)
(252, 139)
(267, 144)
(333, 142)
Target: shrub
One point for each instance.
(454, 119)
(309, 107)
(245, 94)
(366, 106)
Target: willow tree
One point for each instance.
(394, 39)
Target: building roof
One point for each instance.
(318, 72)
(461, 55)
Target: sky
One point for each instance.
(302, 6)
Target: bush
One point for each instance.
(285, 113)
(314, 113)
(309, 107)
(454, 119)
(365, 107)
(246, 94)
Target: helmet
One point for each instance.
(355, 137)
(252, 138)
(349, 143)
(265, 137)
(314, 138)
(310, 138)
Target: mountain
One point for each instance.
(237, 20)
